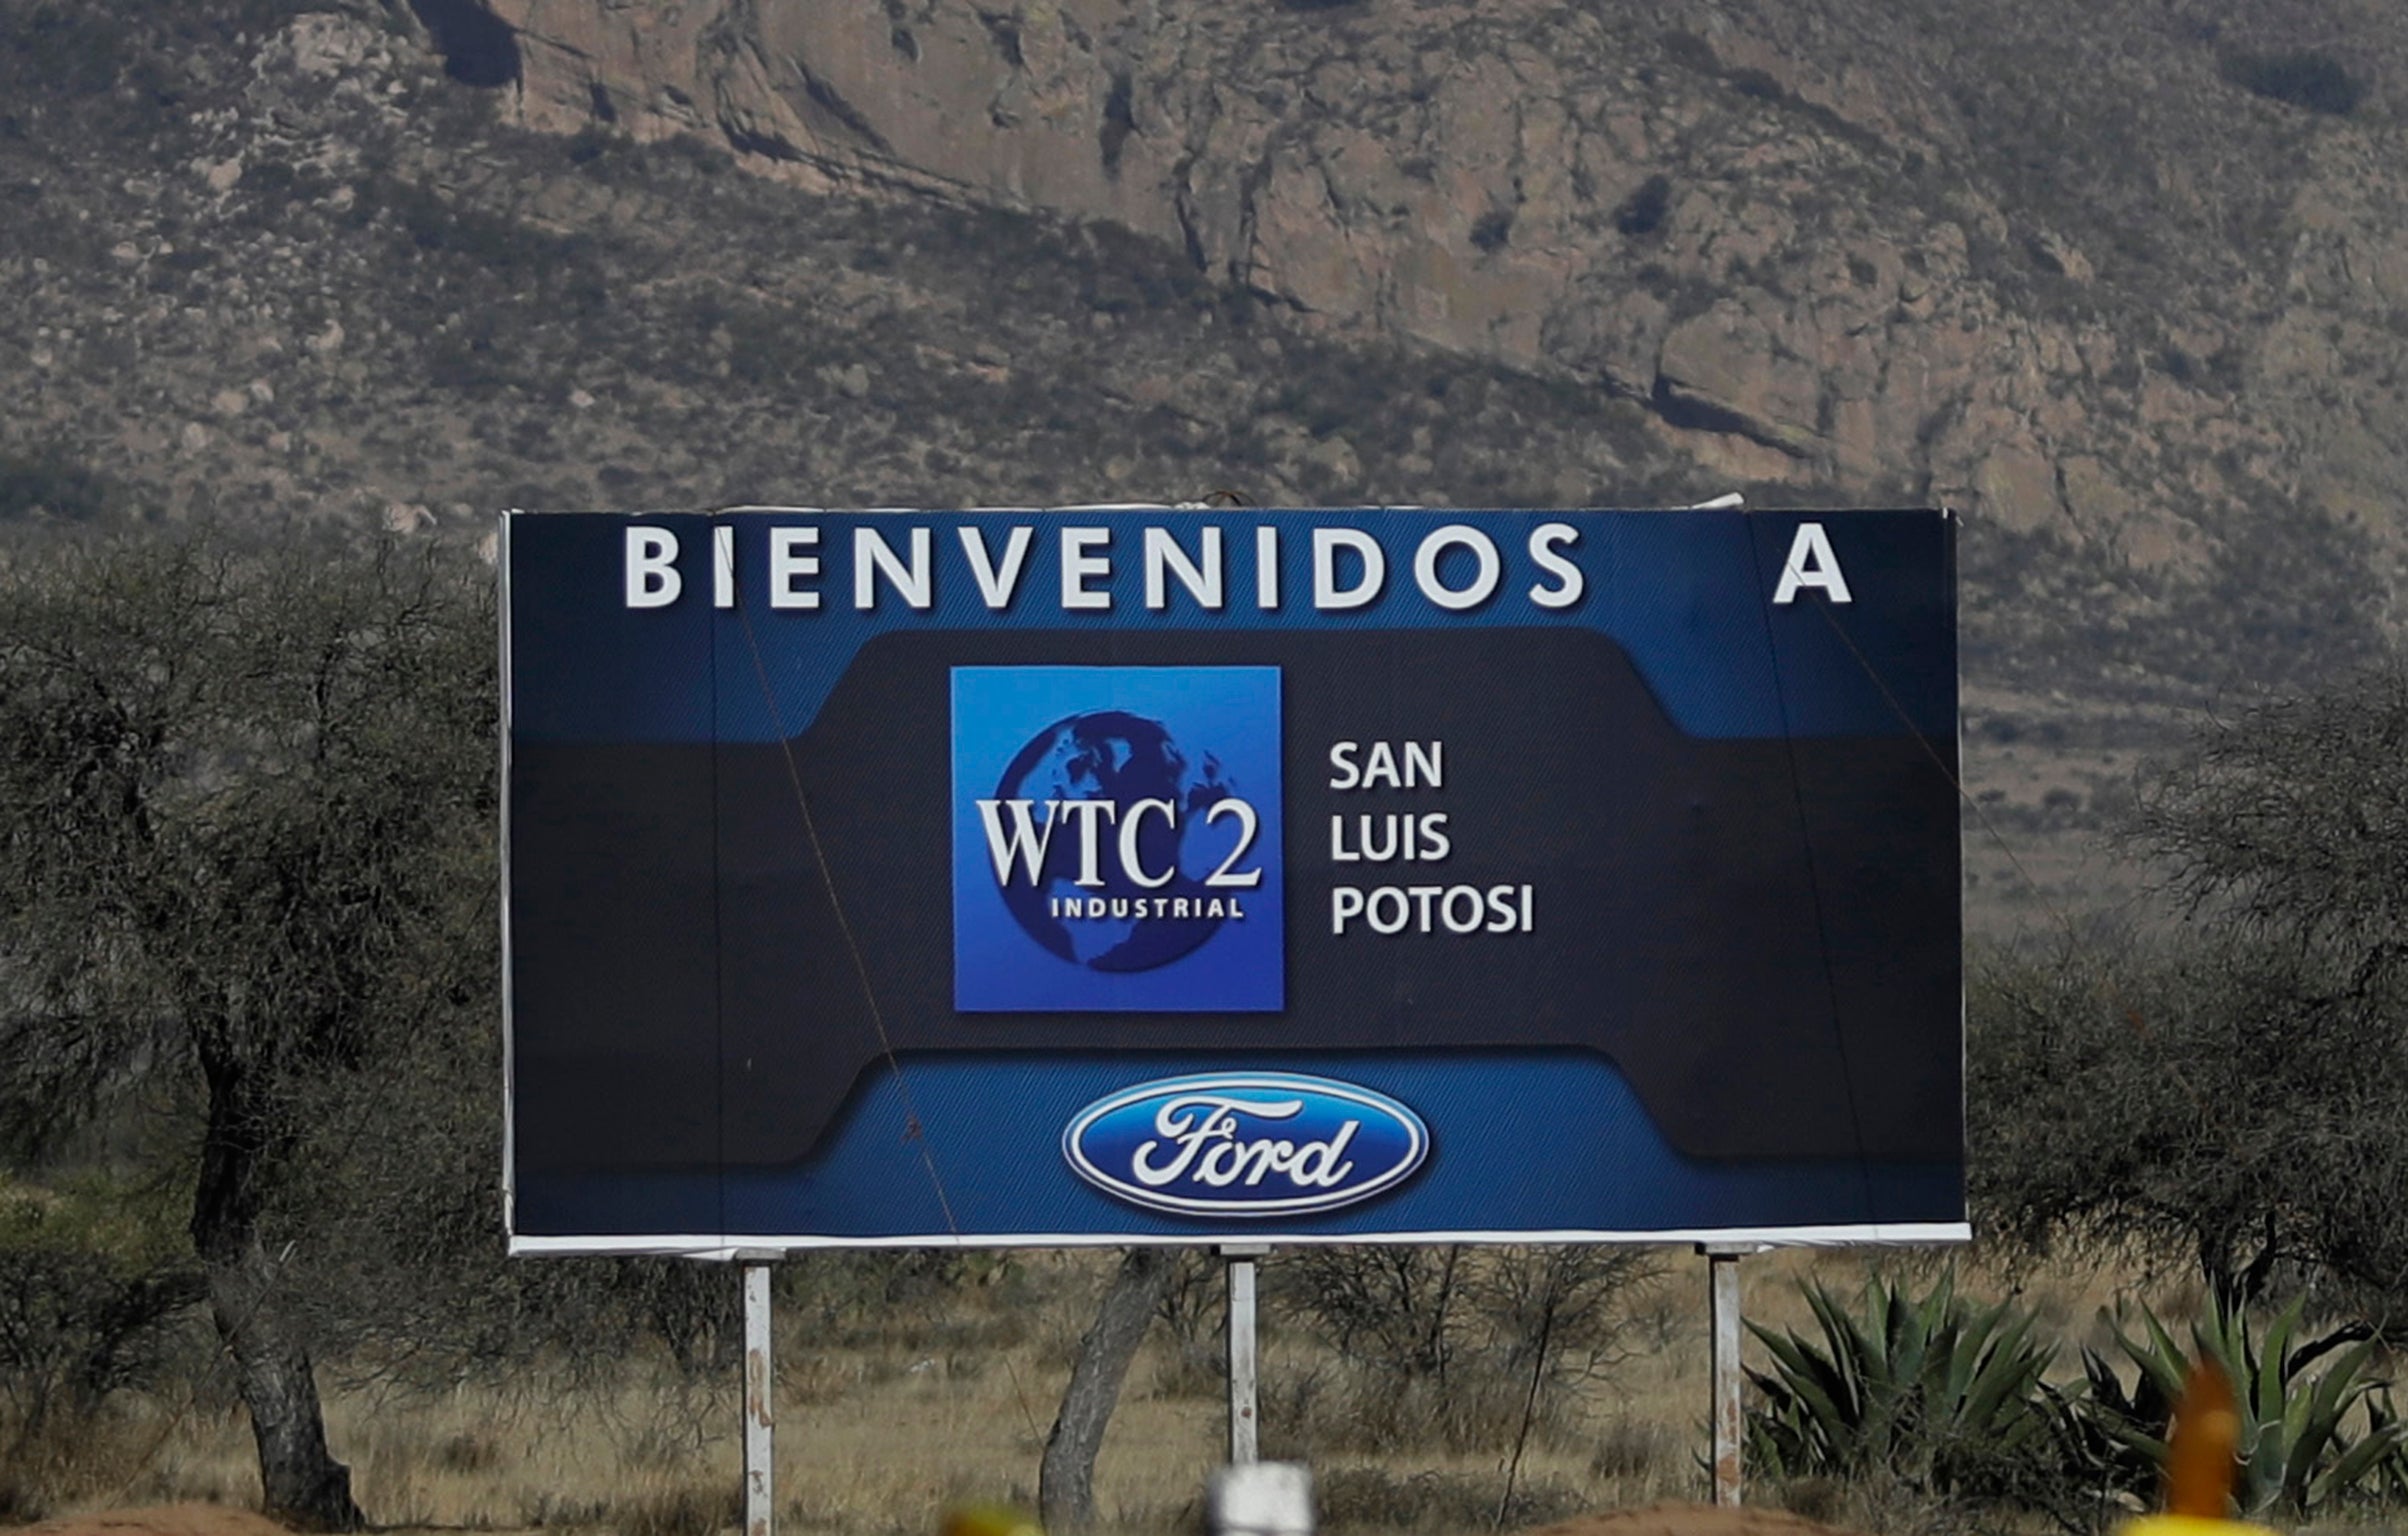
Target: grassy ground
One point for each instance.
(880, 1428)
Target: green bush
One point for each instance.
(89, 1303)
(1936, 1397)
(2310, 1437)
(1946, 1396)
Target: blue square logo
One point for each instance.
(1116, 840)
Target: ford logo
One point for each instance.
(1245, 1144)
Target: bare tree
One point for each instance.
(242, 796)
(2230, 1089)
(1066, 1477)
(2290, 824)
(1472, 1348)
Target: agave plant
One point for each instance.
(2309, 1436)
(1940, 1392)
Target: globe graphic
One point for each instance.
(1123, 758)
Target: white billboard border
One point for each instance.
(728, 1247)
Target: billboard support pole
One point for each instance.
(1722, 1296)
(1243, 1440)
(760, 1403)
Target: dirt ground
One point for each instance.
(1653, 1520)
(161, 1520)
(1687, 1520)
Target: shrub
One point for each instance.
(2228, 1089)
(49, 481)
(1191, 1313)
(2299, 78)
(64, 50)
(683, 1509)
(1642, 213)
(1398, 1305)
(2310, 1437)
(1937, 1392)
(1939, 1398)
(84, 1310)
(1447, 1346)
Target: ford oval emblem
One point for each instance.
(1245, 1144)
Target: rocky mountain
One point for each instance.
(2119, 274)
(2125, 281)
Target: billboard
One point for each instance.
(1148, 875)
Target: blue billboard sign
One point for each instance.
(1125, 820)
(1148, 875)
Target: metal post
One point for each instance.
(1240, 1258)
(1724, 1268)
(1722, 1291)
(760, 1403)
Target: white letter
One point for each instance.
(652, 579)
(723, 567)
(1341, 757)
(1811, 544)
(1164, 558)
(1326, 544)
(1446, 909)
(1078, 565)
(1248, 824)
(1023, 844)
(1425, 567)
(1318, 1163)
(1266, 568)
(786, 562)
(872, 555)
(1128, 842)
(1503, 917)
(1435, 844)
(994, 586)
(1345, 901)
(1542, 550)
(1091, 862)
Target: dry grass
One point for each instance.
(881, 1431)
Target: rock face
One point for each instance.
(2072, 266)
(2125, 280)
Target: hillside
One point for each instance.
(2124, 282)
(2116, 279)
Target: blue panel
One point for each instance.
(1150, 874)
(1537, 1142)
(1056, 912)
